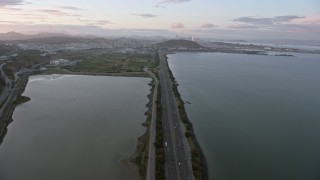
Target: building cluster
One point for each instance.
(7, 57)
(63, 63)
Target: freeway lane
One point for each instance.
(20, 82)
(8, 107)
(177, 166)
(7, 88)
(151, 156)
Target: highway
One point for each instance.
(152, 151)
(177, 166)
(8, 106)
(7, 102)
(7, 88)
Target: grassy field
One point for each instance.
(93, 61)
(112, 63)
(2, 84)
(4, 49)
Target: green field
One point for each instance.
(108, 62)
(4, 49)
(2, 84)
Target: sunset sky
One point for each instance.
(247, 19)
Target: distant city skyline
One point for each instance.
(227, 19)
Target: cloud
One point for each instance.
(290, 26)
(296, 28)
(287, 23)
(285, 31)
(10, 8)
(56, 12)
(8, 22)
(103, 22)
(70, 8)
(11, 2)
(254, 20)
(208, 26)
(286, 18)
(311, 19)
(145, 15)
(53, 12)
(162, 2)
(243, 26)
(266, 21)
(178, 25)
(31, 16)
(95, 22)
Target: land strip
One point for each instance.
(177, 165)
(199, 165)
(9, 105)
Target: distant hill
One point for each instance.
(14, 36)
(56, 38)
(64, 40)
(9, 36)
(179, 44)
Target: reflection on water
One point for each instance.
(75, 127)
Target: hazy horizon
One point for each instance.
(247, 19)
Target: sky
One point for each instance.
(217, 19)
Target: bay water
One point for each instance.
(255, 117)
(75, 127)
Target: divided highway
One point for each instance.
(8, 106)
(12, 93)
(177, 166)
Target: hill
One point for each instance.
(176, 44)
(9, 36)
(64, 40)
(56, 37)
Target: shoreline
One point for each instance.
(17, 100)
(115, 74)
(21, 100)
(197, 156)
(139, 157)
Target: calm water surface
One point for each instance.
(255, 117)
(75, 127)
